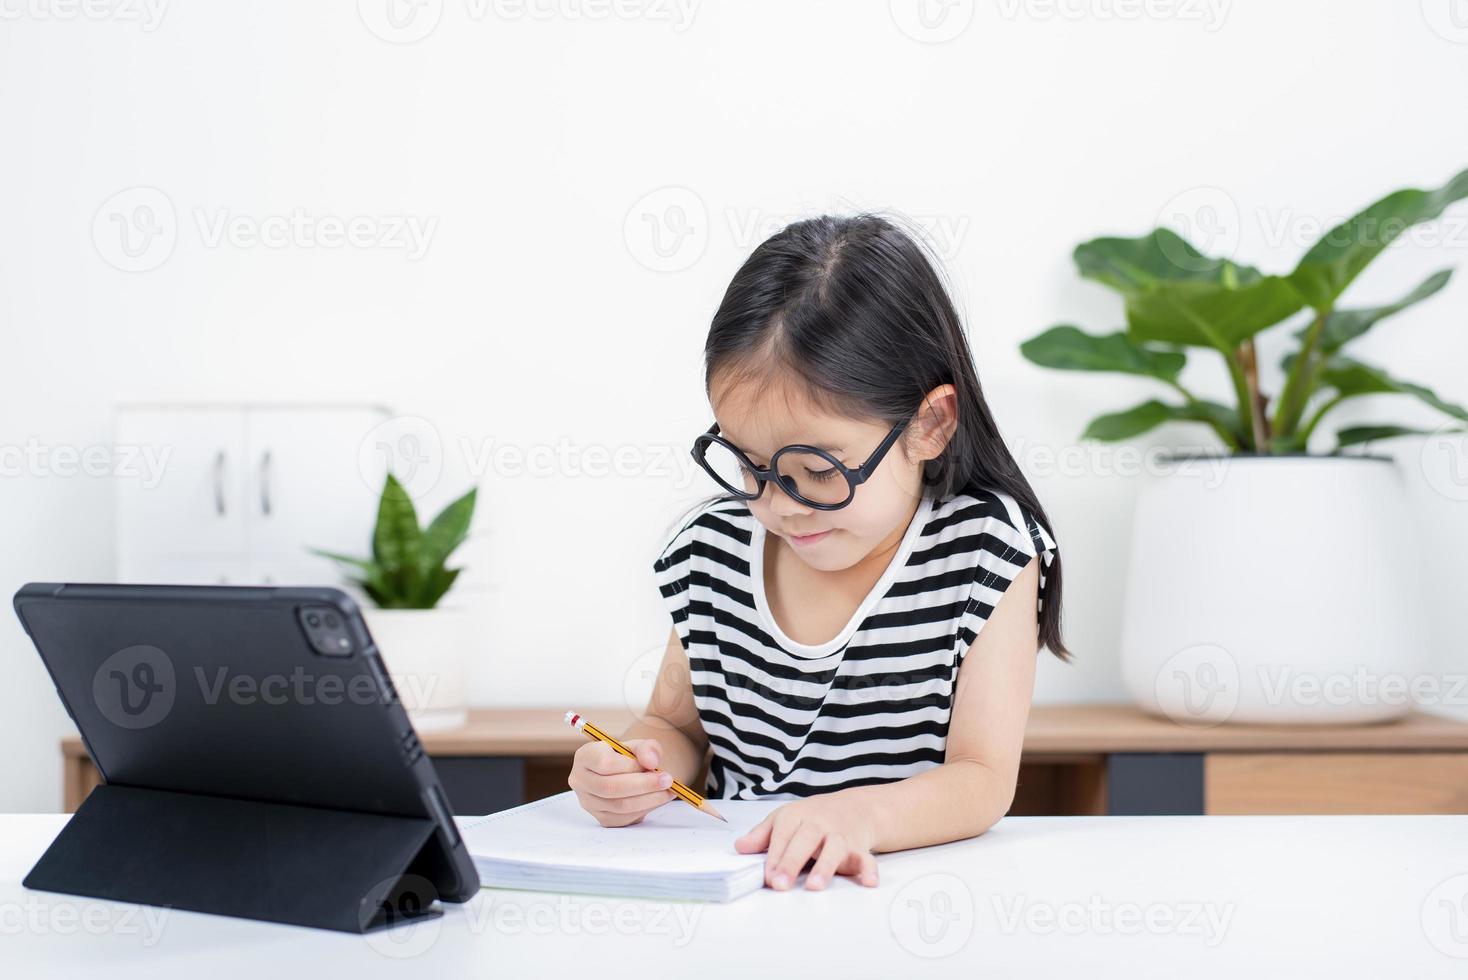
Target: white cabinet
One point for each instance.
(245, 492)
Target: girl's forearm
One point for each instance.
(958, 799)
(680, 756)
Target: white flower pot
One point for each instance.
(1274, 590)
(427, 653)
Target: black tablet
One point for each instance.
(265, 708)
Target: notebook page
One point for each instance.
(673, 839)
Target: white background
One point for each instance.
(529, 137)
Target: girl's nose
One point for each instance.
(782, 503)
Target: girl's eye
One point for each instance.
(821, 476)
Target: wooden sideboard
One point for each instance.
(1078, 759)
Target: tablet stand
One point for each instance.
(307, 866)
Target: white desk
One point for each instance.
(1253, 897)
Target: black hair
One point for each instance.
(853, 311)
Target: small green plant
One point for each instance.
(1177, 298)
(409, 564)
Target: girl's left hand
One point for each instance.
(819, 827)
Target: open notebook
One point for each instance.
(675, 852)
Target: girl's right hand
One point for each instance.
(616, 790)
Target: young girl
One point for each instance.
(856, 618)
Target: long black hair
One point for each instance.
(853, 310)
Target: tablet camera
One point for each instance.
(326, 631)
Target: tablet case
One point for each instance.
(306, 866)
(336, 850)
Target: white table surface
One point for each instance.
(1089, 897)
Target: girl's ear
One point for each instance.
(936, 421)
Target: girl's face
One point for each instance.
(759, 420)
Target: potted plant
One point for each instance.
(425, 646)
(1269, 583)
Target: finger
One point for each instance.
(758, 837)
(780, 835)
(627, 784)
(640, 803)
(834, 853)
(607, 761)
(796, 853)
(865, 867)
(649, 752)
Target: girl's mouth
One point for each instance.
(805, 540)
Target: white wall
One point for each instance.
(532, 142)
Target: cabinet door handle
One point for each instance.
(219, 483)
(265, 483)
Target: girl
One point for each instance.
(856, 618)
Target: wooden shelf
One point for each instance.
(1088, 758)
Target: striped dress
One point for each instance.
(872, 704)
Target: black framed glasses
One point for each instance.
(808, 474)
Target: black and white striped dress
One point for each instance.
(871, 705)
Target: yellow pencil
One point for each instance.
(591, 731)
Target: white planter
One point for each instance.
(1274, 590)
(428, 654)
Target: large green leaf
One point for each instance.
(1069, 348)
(1130, 265)
(1343, 326)
(438, 582)
(1352, 378)
(1357, 434)
(448, 530)
(1334, 261)
(1150, 414)
(1204, 314)
(397, 540)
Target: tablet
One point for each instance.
(273, 695)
